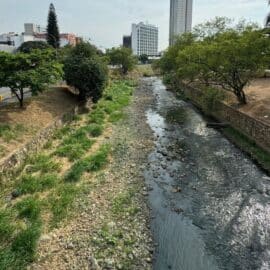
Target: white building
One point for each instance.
(144, 39)
(180, 18)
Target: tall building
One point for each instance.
(144, 39)
(127, 42)
(180, 18)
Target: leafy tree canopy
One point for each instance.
(34, 71)
(122, 57)
(219, 54)
(87, 71)
(28, 46)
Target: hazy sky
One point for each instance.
(105, 21)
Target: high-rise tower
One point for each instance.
(180, 18)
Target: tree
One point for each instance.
(230, 60)
(35, 71)
(122, 57)
(144, 58)
(85, 70)
(53, 36)
(28, 46)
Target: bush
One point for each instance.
(28, 46)
(86, 71)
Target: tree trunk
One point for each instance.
(241, 96)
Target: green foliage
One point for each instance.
(42, 163)
(219, 54)
(95, 130)
(97, 116)
(30, 184)
(143, 58)
(9, 132)
(29, 208)
(116, 116)
(86, 71)
(122, 57)
(53, 36)
(62, 201)
(89, 164)
(36, 70)
(6, 227)
(75, 144)
(25, 244)
(210, 97)
(29, 46)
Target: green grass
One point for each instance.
(88, 164)
(97, 116)
(62, 201)
(75, 145)
(11, 132)
(95, 130)
(116, 116)
(248, 145)
(25, 243)
(29, 208)
(6, 226)
(42, 163)
(18, 246)
(123, 203)
(30, 184)
(60, 133)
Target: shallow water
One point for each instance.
(210, 203)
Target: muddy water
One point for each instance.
(210, 203)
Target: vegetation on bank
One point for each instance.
(42, 195)
(218, 54)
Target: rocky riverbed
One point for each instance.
(211, 203)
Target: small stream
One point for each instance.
(210, 203)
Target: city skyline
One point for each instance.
(107, 31)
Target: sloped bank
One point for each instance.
(248, 133)
(12, 163)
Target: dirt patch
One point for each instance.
(38, 113)
(258, 97)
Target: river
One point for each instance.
(210, 203)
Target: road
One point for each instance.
(7, 97)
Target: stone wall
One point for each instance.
(253, 128)
(15, 160)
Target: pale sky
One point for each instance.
(105, 21)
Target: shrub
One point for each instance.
(87, 72)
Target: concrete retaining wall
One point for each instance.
(255, 129)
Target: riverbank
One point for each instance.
(80, 202)
(250, 134)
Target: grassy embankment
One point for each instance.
(42, 195)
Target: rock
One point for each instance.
(15, 194)
(178, 210)
(176, 190)
(70, 246)
(93, 265)
(45, 238)
(149, 260)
